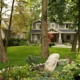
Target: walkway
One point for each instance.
(62, 46)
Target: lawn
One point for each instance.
(17, 54)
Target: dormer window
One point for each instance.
(69, 26)
(38, 25)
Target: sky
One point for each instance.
(8, 10)
(8, 2)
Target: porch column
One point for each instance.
(60, 40)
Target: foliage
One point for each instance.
(56, 10)
(15, 73)
(21, 18)
(31, 60)
(63, 10)
(34, 8)
(73, 68)
(72, 11)
(50, 37)
(15, 42)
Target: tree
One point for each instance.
(3, 56)
(44, 34)
(21, 18)
(79, 26)
(10, 22)
(74, 42)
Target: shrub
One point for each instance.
(33, 59)
(15, 42)
(72, 70)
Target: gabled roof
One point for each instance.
(37, 21)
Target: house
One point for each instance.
(62, 33)
(13, 34)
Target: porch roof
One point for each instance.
(35, 31)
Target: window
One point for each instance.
(34, 27)
(62, 26)
(32, 36)
(38, 26)
(67, 26)
(68, 37)
(38, 37)
(52, 25)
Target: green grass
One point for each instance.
(17, 54)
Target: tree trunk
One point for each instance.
(8, 32)
(3, 56)
(74, 43)
(44, 32)
(79, 28)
